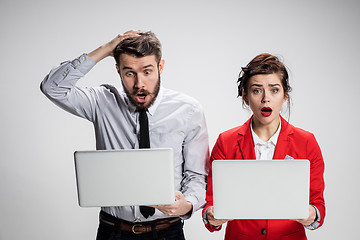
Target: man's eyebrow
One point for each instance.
(129, 68)
(147, 66)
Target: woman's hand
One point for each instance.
(212, 220)
(310, 219)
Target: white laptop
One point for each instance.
(261, 189)
(125, 177)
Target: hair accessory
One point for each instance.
(241, 80)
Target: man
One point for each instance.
(175, 120)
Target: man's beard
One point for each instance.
(140, 106)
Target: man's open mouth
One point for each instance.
(141, 95)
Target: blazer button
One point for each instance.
(263, 231)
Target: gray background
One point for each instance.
(204, 43)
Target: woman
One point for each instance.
(264, 87)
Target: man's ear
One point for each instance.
(161, 65)
(117, 68)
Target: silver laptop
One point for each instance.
(261, 189)
(125, 177)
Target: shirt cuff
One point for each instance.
(83, 64)
(206, 221)
(196, 205)
(316, 222)
(190, 213)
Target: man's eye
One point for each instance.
(129, 74)
(147, 71)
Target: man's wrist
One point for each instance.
(100, 53)
(188, 214)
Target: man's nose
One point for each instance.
(139, 82)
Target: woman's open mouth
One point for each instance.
(266, 111)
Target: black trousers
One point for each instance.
(108, 232)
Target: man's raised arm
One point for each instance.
(59, 84)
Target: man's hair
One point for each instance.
(144, 45)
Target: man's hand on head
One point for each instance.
(107, 49)
(120, 37)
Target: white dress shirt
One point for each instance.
(175, 121)
(265, 150)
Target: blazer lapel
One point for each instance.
(245, 141)
(283, 143)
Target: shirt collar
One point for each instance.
(272, 140)
(155, 105)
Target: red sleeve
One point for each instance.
(217, 153)
(317, 184)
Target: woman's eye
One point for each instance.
(275, 90)
(257, 91)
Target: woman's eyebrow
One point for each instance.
(256, 85)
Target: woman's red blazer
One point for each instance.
(237, 143)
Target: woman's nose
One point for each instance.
(265, 97)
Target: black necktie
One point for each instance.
(144, 130)
(145, 143)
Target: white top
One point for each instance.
(265, 150)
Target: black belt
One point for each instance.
(137, 228)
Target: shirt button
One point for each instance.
(64, 74)
(138, 217)
(263, 231)
(82, 58)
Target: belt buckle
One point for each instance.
(133, 228)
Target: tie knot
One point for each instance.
(142, 112)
